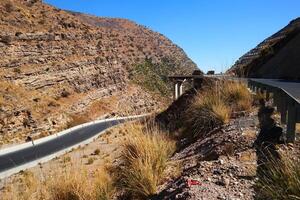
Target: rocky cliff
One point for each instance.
(275, 57)
(60, 68)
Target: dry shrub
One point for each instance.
(237, 95)
(144, 159)
(207, 111)
(9, 7)
(280, 179)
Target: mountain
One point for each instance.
(275, 57)
(61, 68)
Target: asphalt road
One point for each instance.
(291, 87)
(20, 157)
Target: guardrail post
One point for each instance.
(282, 107)
(291, 123)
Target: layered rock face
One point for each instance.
(275, 57)
(56, 65)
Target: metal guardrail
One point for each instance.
(287, 105)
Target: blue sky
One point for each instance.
(214, 33)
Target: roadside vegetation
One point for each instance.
(73, 183)
(144, 160)
(281, 179)
(215, 106)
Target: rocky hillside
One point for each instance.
(275, 57)
(60, 68)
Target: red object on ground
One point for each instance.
(191, 182)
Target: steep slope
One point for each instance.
(58, 69)
(275, 57)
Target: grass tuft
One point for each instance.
(144, 159)
(207, 111)
(104, 186)
(237, 95)
(280, 179)
(213, 107)
(70, 186)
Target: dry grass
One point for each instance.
(73, 183)
(213, 107)
(237, 95)
(104, 185)
(207, 111)
(281, 179)
(144, 159)
(69, 186)
(25, 189)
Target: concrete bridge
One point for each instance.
(195, 79)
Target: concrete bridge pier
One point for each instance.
(176, 91)
(178, 88)
(196, 78)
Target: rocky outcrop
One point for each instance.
(275, 57)
(56, 63)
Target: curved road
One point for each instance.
(34, 153)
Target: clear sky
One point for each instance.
(214, 33)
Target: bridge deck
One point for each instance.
(290, 87)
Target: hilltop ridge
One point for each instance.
(275, 57)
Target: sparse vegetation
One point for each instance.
(281, 179)
(66, 159)
(97, 152)
(6, 39)
(153, 77)
(65, 93)
(9, 7)
(90, 161)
